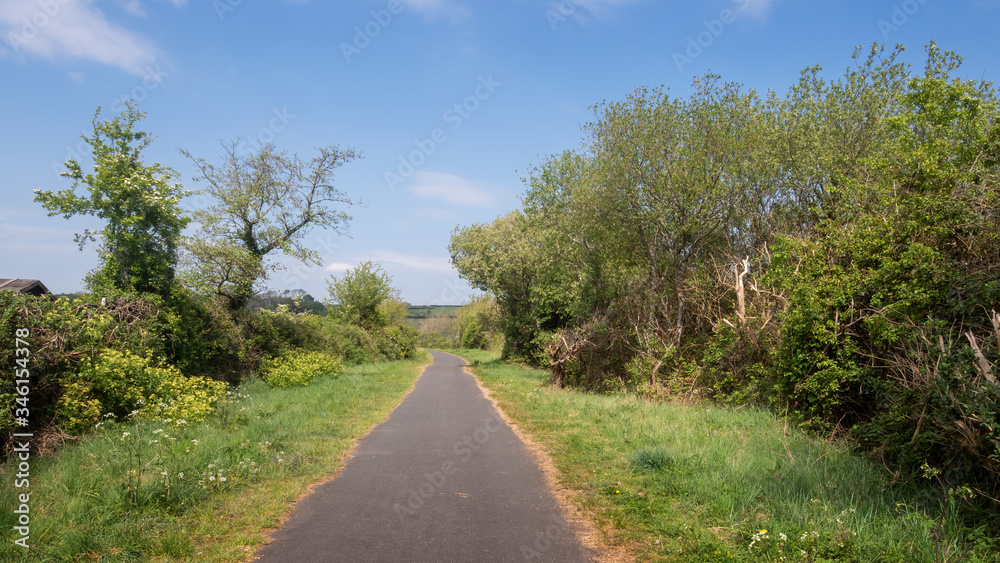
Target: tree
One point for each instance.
(139, 244)
(264, 202)
(365, 297)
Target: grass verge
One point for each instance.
(707, 483)
(164, 491)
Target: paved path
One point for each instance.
(444, 479)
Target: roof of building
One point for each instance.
(19, 285)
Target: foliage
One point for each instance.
(700, 482)
(139, 244)
(504, 259)
(122, 385)
(149, 490)
(261, 203)
(833, 252)
(299, 367)
(361, 296)
(477, 319)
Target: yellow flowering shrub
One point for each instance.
(124, 385)
(78, 409)
(299, 367)
(179, 397)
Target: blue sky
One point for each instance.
(469, 95)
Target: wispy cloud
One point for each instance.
(75, 30)
(338, 267)
(437, 264)
(583, 11)
(452, 189)
(759, 9)
(423, 263)
(451, 9)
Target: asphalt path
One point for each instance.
(444, 479)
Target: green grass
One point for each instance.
(159, 491)
(703, 482)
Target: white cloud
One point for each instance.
(581, 11)
(435, 8)
(386, 257)
(452, 189)
(133, 7)
(338, 267)
(75, 30)
(424, 263)
(759, 9)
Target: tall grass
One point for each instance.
(165, 490)
(706, 483)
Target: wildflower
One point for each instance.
(783, 537)
(212, 478)
(126, 434)
(222, 479)
(181, 474)
(181, 421)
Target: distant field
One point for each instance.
(420, 312)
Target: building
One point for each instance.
(18, 285)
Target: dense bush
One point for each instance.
(299, 368)
(123, 385)
(477, 323)
(833, 252)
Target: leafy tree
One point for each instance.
(364, 296)
(263, 203)
(139, 244)
(518, 261)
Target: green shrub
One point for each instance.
(397, 342)
(123, 385)
(299, 368)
